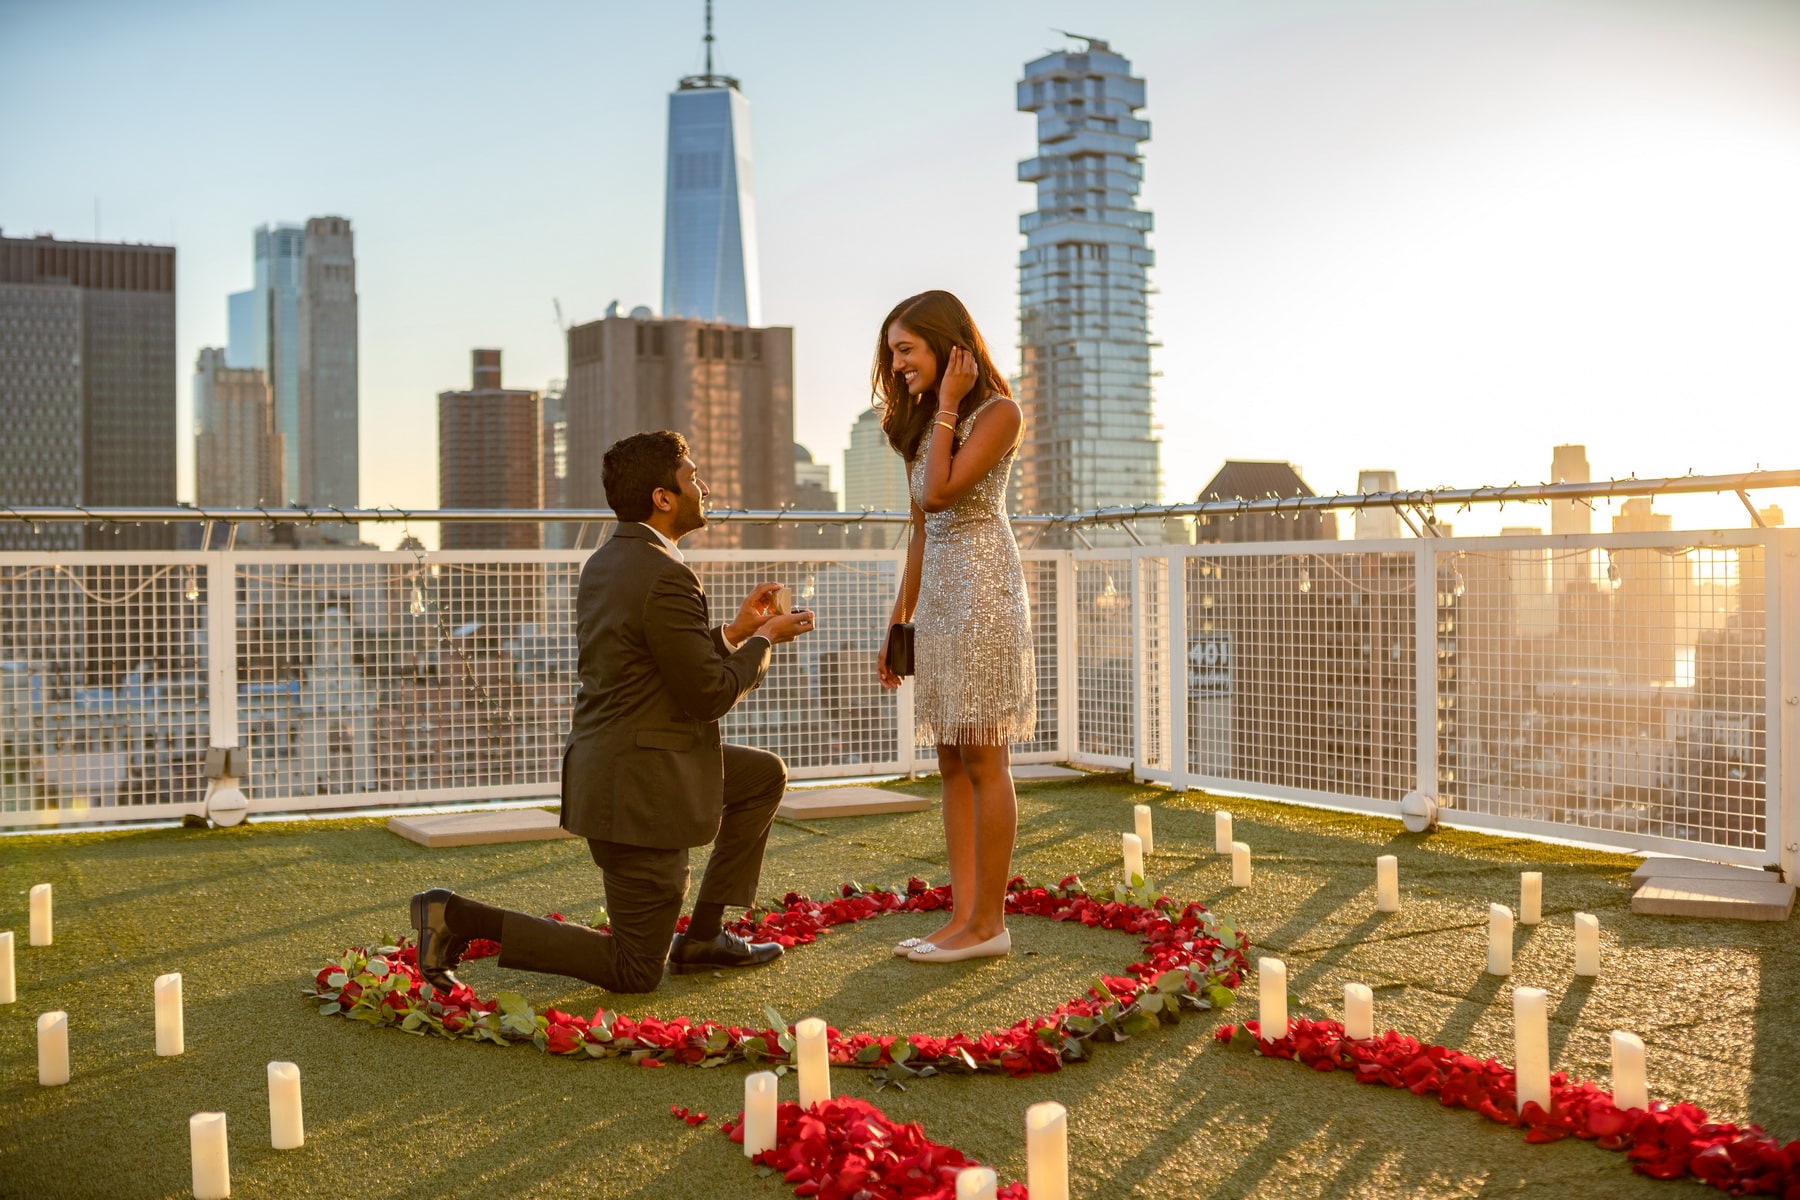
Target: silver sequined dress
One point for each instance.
(974, 676)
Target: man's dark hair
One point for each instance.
(636, 466)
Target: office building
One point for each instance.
(1084, 381)
(301, 313)
(874, 480)
(87, 385)
(275, 334)
(1377, 522)
(1650, 588)
(1569, 464)
(1572, 571)
(710, 270)
(240, 325)
(728, 389)
(326, 328)
(489, 456)
(553, 464)
(237, 453)
(812, 493)
(874, 475)
(1240, 480)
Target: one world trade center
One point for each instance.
(709, 221)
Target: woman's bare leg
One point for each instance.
(993, 827)
(959, 841)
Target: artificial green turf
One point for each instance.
(248, 914)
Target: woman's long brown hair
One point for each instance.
(940, 319)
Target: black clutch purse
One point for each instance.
(900, 649)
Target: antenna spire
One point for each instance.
(709, 37)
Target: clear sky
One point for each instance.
(1436, 236)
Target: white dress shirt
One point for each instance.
(667, 541)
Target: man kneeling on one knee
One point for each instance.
(644, 773)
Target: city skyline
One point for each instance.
(1347, 274)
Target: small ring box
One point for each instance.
(783, 600)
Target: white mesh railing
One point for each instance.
(1636, 688)
(1624, 688)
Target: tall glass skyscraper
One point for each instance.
(710, 270)
(329, 400)
(240, 313)
(1083, 310)
(275, 336)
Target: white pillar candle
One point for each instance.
(1531, 897)
(1134, 857)
(1271, 998)
(1630, 1087)
(170, 1037)
(759, 1113)
(1387, 884)
(1240, 865)
(1500, 940)
(40, 915)
(287, 1123)
(211, 1159)
(9, 990)
(53, 1048)
(1047, 1151)
(1531, 1046)
(1140, 819)
(813, 1062)
(1587, 944)
(976, 1183)
(1222, 833)
(1359, 1011)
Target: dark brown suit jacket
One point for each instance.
(643, 763)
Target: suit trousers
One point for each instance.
(645, 887)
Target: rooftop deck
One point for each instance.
(248, 914)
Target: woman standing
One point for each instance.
(950, 415)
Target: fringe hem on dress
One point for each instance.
(963, 703)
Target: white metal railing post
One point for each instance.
(1177, 689)
(1425, 666)
(221, 648)
(1068, 661)
(1139, 699)
(1781, 739)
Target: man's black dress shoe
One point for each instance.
(726, 950)
(439, 950)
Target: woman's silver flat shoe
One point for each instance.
(995, 947)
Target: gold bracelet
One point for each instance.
(945, 425)
(948, 412)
